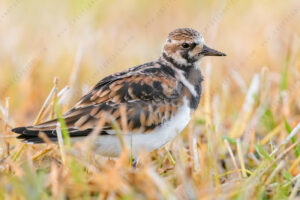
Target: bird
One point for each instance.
(157, 100)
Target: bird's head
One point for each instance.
(186, 46)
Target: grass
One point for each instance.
(242, 142)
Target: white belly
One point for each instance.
(109, 145)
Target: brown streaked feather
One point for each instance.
(141, 115)
(145, 92)
(140, 85)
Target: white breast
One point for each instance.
(109, 145)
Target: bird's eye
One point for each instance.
(185, 45)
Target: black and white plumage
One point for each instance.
(158, 98)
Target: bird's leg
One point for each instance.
(134, 163)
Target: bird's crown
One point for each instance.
(185, 34)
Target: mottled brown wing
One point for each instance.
(141, 116)
(137, 86)
(148, 99)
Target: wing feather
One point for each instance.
(149, 94)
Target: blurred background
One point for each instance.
(250, 102)
(90, 39)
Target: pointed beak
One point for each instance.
(206, 51)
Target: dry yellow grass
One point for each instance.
(239, 144)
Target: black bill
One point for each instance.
(206, 51)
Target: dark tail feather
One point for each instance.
(34, 139)
(32, 136)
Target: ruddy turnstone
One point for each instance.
(158, 99)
